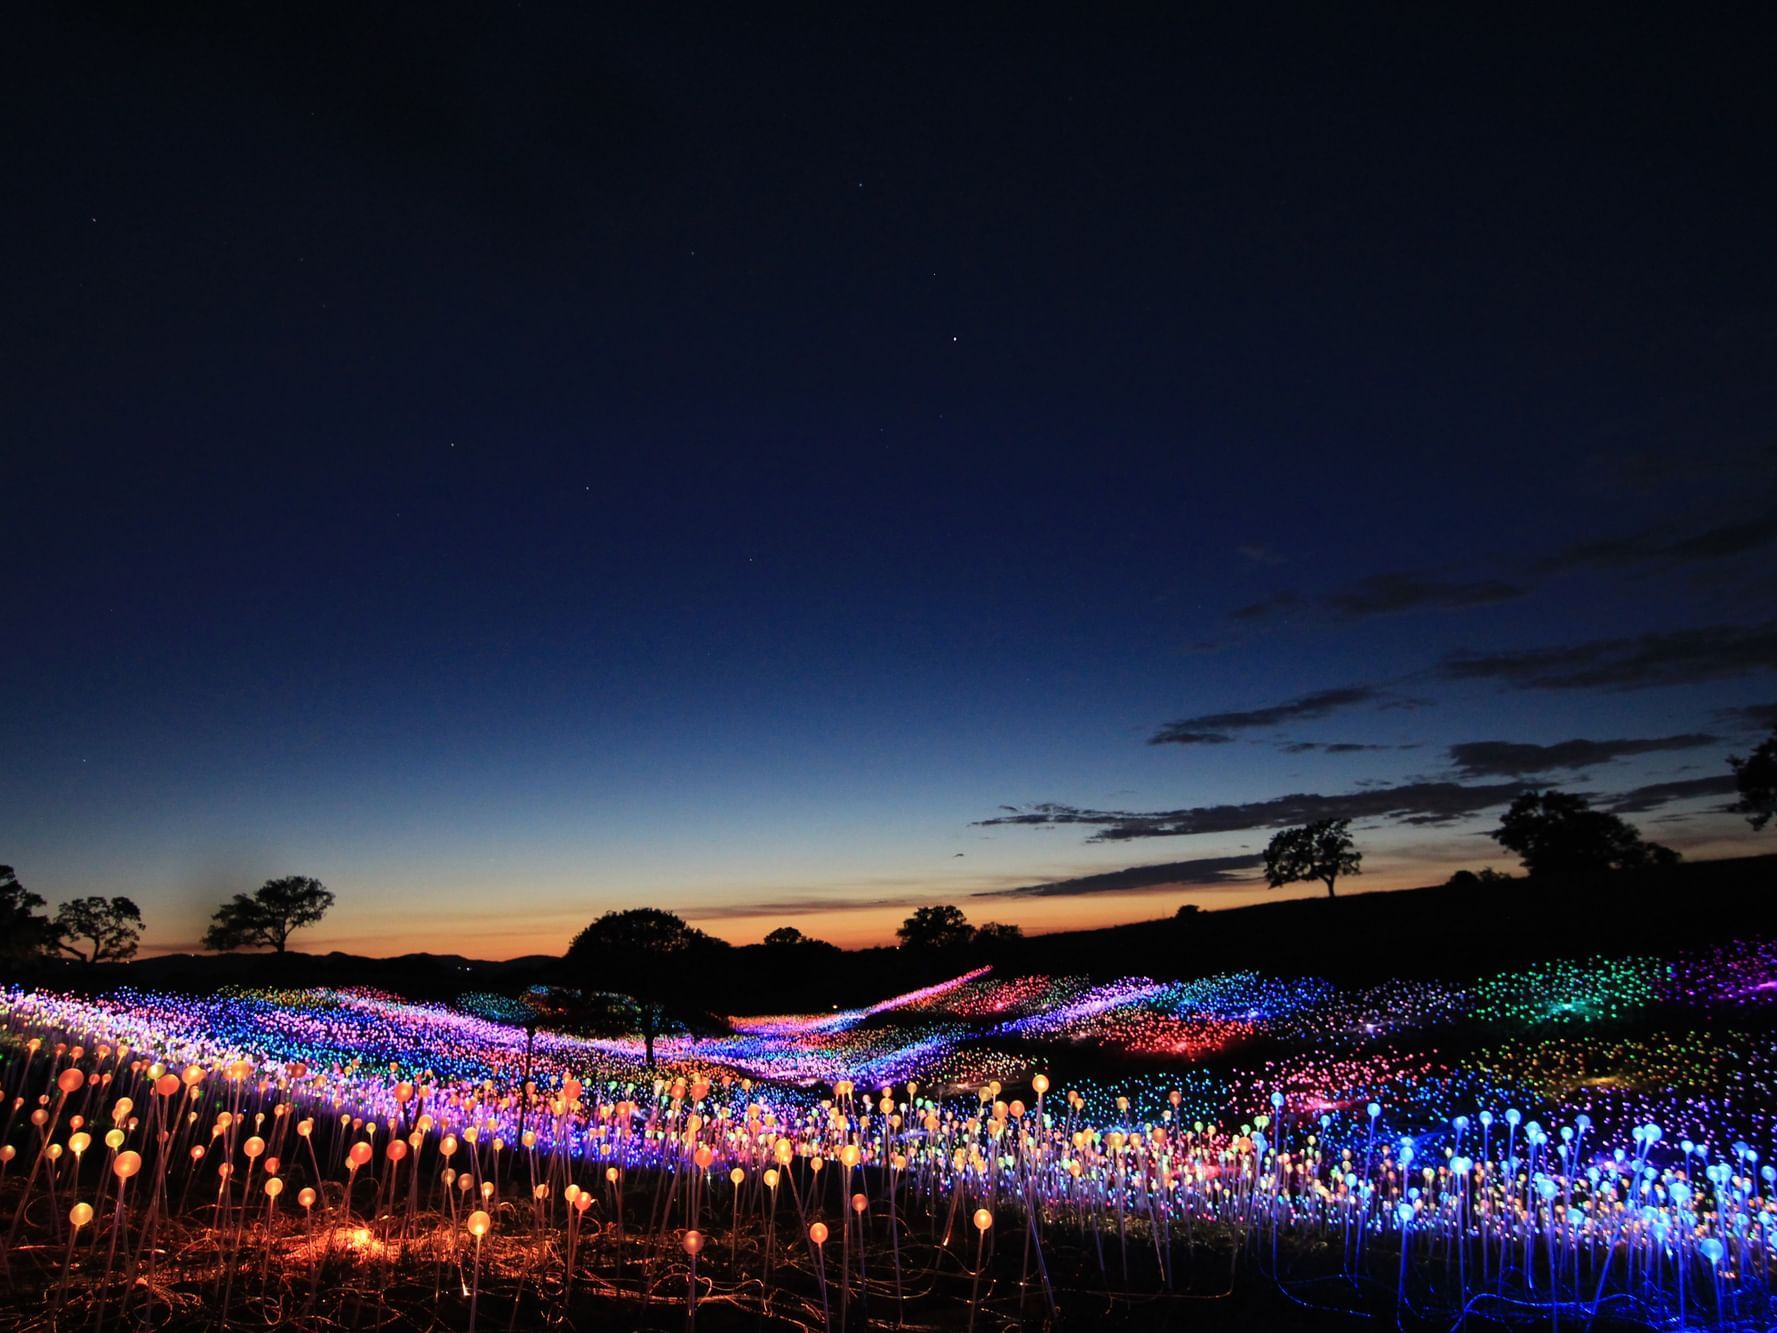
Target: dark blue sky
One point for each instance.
(513, 463)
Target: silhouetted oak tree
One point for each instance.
(997, 941)
(111, 928)
(1559, 833)
(791, 950)
(1319, 852)
(1755, 777)
(931, 929)
(653, 957)
(266, 920)
(23, 932)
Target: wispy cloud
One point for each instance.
(1393, 594)
(1483, 759)
(791, 907)
(1673, 657)
(1213, 728)
(1388, 594)
(1397, 592)
(1651, 797)
(1330, 747)
(1275, 604)
(1261, 555)
(1414, 803)
(1203, 872)
(1751, 717)
(1663, 546)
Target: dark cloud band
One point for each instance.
(1674, 657)
(1203, 872)
(1213, 728)
(1417, 803)
(1484, 759)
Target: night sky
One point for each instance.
(516, 462)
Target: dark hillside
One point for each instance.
(1447, 930)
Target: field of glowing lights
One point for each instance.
(1583, 1141)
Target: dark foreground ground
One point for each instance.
(427, 1279)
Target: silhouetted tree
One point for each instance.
(1476, 879)
(994, 939)
(1187, 911)
(931, 929)
(653, 957)
(1319, 852)
(266, 920)
(111, 927)
(790, 948)
(23, 932)
(1755, 777)
(1556, 833)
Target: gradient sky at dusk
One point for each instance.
(512, 464)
